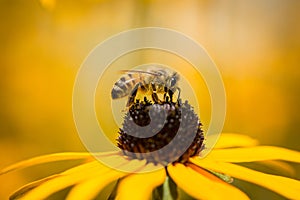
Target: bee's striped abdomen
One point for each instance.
(123, 87)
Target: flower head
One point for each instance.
(154, 126)
(184, 175)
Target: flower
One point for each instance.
(179, 176)
(90, 177)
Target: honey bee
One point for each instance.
(152, 81)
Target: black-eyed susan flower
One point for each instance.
(180, 177)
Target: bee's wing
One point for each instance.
(131, 76)
(133, 71)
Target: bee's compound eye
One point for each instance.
(173, 81)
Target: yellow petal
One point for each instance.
(279, 166)
(70, 177)
(26, 188)
(282, 185)
(251, 154)
(201, 187)
(234, 140)
(142, 184)
(86, 167)
(49, 158)
(118, 162)
(89, 188)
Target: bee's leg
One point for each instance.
(170, 92)
(155, 98)
(133, 95)
(179, 90)
(167, 99)
(165, 94)
(154, 94)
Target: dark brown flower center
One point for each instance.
(148, 127)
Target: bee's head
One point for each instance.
(174, 79)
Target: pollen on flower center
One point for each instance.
(149, 127)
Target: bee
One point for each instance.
(152, 81)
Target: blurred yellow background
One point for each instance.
(255, 45)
